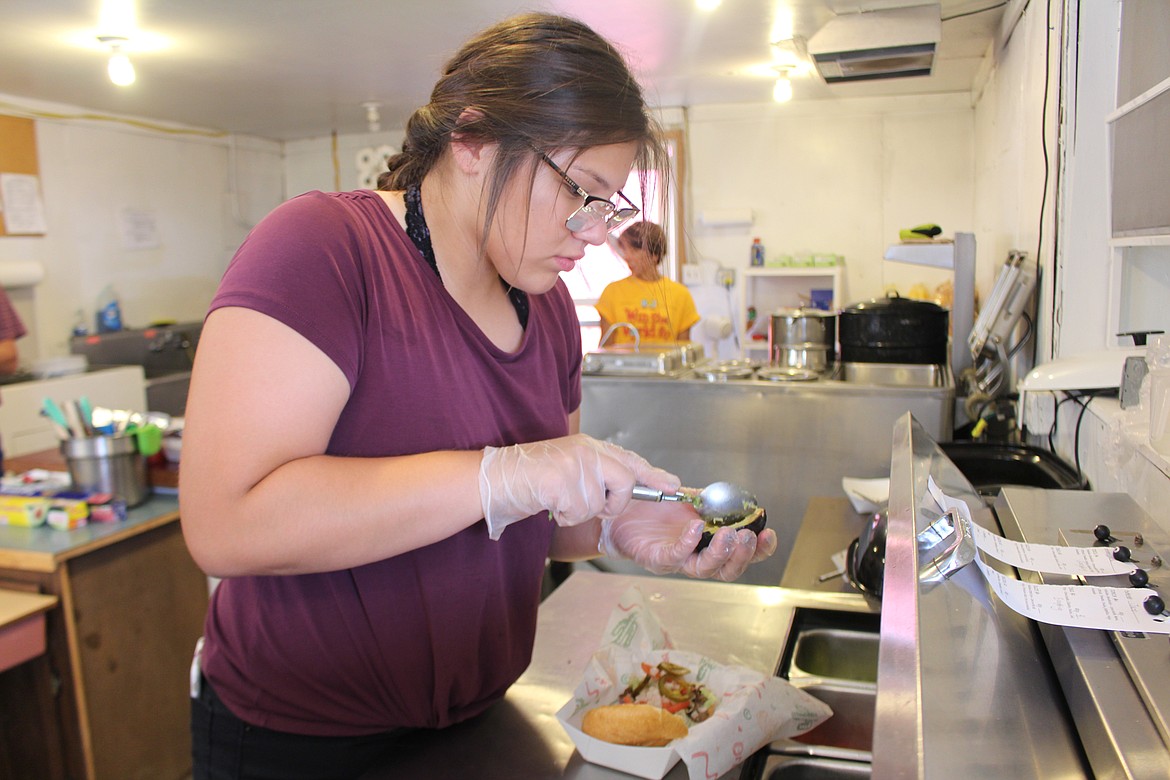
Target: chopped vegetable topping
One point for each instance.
(673, 692)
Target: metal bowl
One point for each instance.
(726, 373)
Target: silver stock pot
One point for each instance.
(803, 339)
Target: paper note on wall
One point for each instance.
(23, 212)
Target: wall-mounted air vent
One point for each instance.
(887, 44)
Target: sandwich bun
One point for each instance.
(641, 725)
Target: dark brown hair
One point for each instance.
(648, 236)
(532, 80)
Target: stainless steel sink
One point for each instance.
(831, 645)
(832, 656)
(837, 653)
(813, 767)
(851, 727)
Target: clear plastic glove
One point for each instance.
(576, 478)
(662, 538)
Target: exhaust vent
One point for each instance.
(889, 44)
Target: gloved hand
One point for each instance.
(576, 478)
(662, 538)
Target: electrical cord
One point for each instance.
(973, 13)
(1023, 339)
(1076, 397)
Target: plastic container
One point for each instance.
(1158, 382)
(109, 312)
(821, 299)
(107, 464)
(757, 253)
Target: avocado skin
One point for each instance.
(755, 526)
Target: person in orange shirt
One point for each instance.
(661, 309)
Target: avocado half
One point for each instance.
(754, 522)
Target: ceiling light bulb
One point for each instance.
(120, 68)
(707, 5)
(782, 91)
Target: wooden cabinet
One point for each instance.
(109, 699)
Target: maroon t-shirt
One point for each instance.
(432, 636)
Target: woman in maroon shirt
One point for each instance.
(381, 446)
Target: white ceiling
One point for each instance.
(288, 69)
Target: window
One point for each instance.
(600, 266)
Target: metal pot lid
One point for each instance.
(894, 303)
(726, 364)
(774, 374)
(803, 312)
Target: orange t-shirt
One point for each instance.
(660, 310)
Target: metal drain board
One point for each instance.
(1121, 710)
(1146, 656)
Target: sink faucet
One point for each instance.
(609, 332)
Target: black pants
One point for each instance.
(224, 747)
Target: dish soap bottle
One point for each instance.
(757, 253)
(109, 312)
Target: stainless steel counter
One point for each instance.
(828, 527)
(521, 738)
(965, 688)
(785, 441)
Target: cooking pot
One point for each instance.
(803, 339)
(894, 330)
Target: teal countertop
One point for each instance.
(43, 548)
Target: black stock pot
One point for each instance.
(894, 330)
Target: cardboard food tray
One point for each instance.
(649, 762)
(753, 708)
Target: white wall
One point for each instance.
(310, 164)
(1012, 128)
(202, 193)
(1080, 302)
(840, 177)
(829, 176)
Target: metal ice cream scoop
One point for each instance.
(720, 503)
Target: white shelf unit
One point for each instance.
(781, 287)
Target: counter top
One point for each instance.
(22, 626)
(520, 736)
(44, 548)
(16, 605)
(829, 525)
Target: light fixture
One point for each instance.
(782, 89)
(885, 44)
(120, 69)
(373, 116)
(707, 5)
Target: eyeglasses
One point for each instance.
(594, 209)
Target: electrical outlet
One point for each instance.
(725, 277)
(690, 273)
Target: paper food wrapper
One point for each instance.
(866, 495)
(754, 708)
